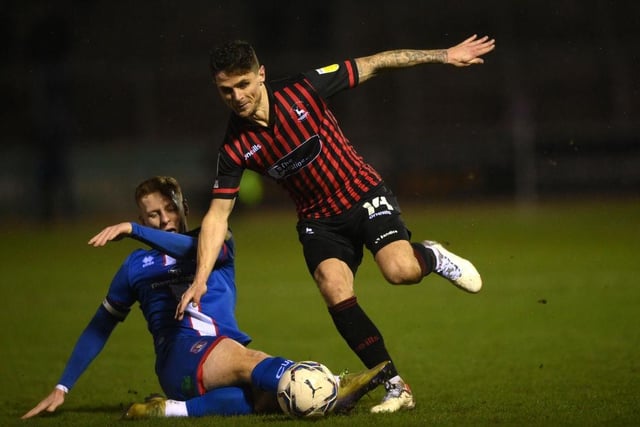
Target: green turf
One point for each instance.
(553, 338)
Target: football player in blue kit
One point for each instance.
(202, 362)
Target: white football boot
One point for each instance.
(398, 397)
(455, 269)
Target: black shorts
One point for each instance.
(374, 222)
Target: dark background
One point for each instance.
(98, 95)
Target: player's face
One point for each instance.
(159, 211)
(241, 92)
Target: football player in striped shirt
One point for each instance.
(285, 130)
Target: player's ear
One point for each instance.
(140, 212)
(185, 206)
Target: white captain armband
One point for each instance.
(63, 388)
(112, 310)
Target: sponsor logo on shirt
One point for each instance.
(328, 69)
(300, 157)
(147, 261)
(254, 149)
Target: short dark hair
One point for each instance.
(234, 56)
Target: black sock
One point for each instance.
(425, 256)
(360, 333)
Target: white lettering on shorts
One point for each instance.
(385, 235)
(376, 203)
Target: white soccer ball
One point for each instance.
(307, 389)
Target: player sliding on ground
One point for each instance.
(202, 362)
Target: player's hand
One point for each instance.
(191, 296)
(113, 232)
(469, 51)
(49, 404)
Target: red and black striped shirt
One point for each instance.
(303, 148)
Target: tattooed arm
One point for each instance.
(467, 53)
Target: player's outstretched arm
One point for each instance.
(213, 232)
(467, 53)
(470, 51)
(113, 232)
(174, 244)
(48, 404)
(89, 345)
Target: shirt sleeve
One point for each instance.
(89, 345)
(114, 309)
(173, 244)
(227, 183)
(178, 245)
(331, 79)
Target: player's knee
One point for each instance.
(334, 280)
(401, 273)
(398, 263)
(335, 292)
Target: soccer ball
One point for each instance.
(307, 389)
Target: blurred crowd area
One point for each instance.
(98, 95)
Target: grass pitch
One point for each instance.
(553, 338)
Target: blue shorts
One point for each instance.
(179, 365)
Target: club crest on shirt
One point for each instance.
(299, 111)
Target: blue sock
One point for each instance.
(221, 401)
(267, 373)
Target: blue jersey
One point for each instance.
(156, 279)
